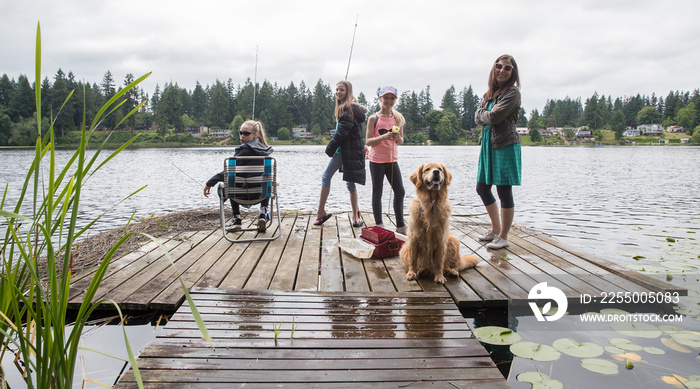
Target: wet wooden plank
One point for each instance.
(424, 341)
(307, 257)
(286, 273)
(308, 272)
(331, 272)
(263, 273)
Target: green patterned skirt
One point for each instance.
(501, 166)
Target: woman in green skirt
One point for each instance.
(499, 159)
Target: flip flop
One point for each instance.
(360, 224)
(321, 220)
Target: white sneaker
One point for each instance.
(498, 243)
(401, 230)
(488, 237)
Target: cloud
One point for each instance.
(615, 48)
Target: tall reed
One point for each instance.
(34, 298)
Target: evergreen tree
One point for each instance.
(199, 104)
(218, 105)
(449, 101)
(24, 104)
(7, 94)
(470, 103)
(57, 95)
(535, 135)
(169, 114)
(522, 120)
(617, 123)
(425, 102)
(5, 128)
(131, 100)
(590, 112)
(322, 106)
(244, 100)
(155, 99)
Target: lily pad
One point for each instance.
(669, 329)
(639, 330)
(535, 351)
(632, 357)
(497, 335)
(654, 350)
(687, 338)
(625, 344)
(581, 350)
(601, 366)
(539, 380)
(673, 345)
(614, 350)
(640, 267)
(679, 266)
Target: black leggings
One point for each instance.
(392, 173)
(505, 193)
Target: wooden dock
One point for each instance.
(307, 258)
(340, 339)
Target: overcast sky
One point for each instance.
(563, 48)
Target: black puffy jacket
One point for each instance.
(352, 146)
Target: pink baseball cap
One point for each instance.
(388, 89)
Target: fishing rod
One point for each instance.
(183, 172)
(351, 46)
(255, 80)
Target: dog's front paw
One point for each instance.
(440, 279)
(411, 276)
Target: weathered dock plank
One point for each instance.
(337, 342)
(307, 258)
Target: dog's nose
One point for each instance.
(436, 174)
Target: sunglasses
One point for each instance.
(508, 68)
(382, 131)
(245, 133)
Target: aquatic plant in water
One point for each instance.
(36, 255)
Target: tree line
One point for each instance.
(225, 105)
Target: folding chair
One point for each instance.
(248, 181)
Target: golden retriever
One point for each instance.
(430, 247)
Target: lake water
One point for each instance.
(610, 201)
(614, 202)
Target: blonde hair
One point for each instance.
(256, 127)
(346, 104)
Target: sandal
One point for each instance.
(321, 220)
(358, 224)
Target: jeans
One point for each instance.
(333, 166)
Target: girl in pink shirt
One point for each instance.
(384, 134)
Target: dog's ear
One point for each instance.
(448, 175)
(415, 177)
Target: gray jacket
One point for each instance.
(503, 119)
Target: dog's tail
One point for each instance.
(467, 262)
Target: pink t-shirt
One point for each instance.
(386, 151)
